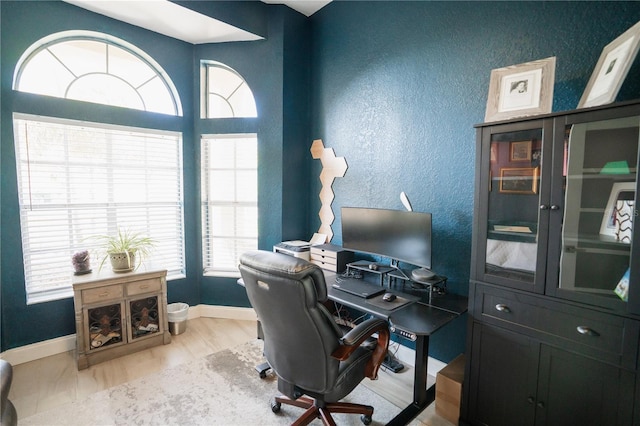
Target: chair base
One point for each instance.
(318, 409)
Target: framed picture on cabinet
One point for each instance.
(520, 151)
(519, 180)
(521, 90)
(612, 68)
(618, 215)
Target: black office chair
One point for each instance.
(303, 344)
(8, 415)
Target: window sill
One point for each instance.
(222, 274)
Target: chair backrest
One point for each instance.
(299, 333)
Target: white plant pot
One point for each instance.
(120, 262)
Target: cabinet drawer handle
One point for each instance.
(502, 308)
(587, 331)
(544, 207)
(105, 294)
(144, 286)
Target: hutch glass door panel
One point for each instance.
(515, 236)
(599, 209)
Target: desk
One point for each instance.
(420, 320)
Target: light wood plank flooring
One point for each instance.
(49, 382)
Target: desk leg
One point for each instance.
(421, 395)
(264, 367)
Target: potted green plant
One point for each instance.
(126, 249)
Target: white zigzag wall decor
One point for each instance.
(332, 167)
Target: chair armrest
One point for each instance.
(357, 335)
(354, 338)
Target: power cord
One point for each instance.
(390, 361)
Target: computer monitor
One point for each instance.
(399, 235)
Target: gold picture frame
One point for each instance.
(520, 151)
(612, 68)
(519, 180)
(521, 90)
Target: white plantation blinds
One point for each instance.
(78, 179)
(229, 200)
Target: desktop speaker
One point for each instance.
(422, 275)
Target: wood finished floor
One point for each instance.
(52, 381)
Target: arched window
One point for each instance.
(94, 67)
(225, 92)
(78, 179)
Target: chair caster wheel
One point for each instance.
(263, 374)
(365, 419)
(275, 407)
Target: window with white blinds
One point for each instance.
(80, 179)
(229, 200)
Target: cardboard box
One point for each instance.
(449, 390)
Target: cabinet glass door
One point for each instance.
(105, 325)
(144, 317)
(599, 209)
(513, 206)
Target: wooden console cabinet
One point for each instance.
(117, 314)
(552, 340)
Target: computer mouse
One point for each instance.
(373, 266)
(389, 297)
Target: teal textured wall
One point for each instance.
(24, 23)
(394, 87)
(262, 63)
(397, 87)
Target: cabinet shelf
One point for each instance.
(596, 242)
(513, 231)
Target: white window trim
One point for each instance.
(205, 66)
(102, 37)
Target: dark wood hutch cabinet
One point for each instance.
(550, 341)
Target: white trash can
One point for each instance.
(177, 314)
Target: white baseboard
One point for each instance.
(68, 343)
(228, 312)
(63, 344)
(40, 350)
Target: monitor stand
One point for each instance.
(396, 266)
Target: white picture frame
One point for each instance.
(608, 226)
(521, 90)
(612, 68)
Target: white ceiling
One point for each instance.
(306, 7)
(179, 22)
